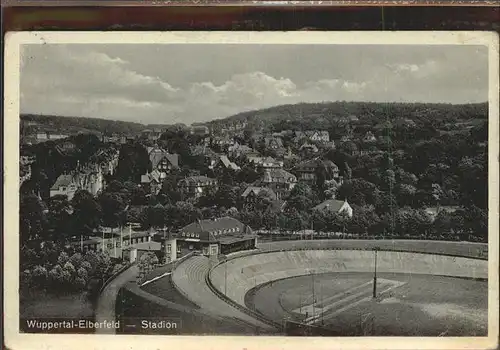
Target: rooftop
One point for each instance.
(330, 204)
(62, 180)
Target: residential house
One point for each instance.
(273, 142)
(151, 135)
(238, 150)
(199, 130)
(107, 159)
(433, 212)
(369, 137)
(127, 139)
(88, 178)
(318, 136)
(279, 180)
(163, 161)
(251, 194)
(114, 138)
(152, 181)
(266, 162)
(222, 143)
(307, 171)
(67, 145)
(334, 206)
(197, 186)
(312, 136)
(346, 138)
(48, 136)
(350, 147)
(308, 149)
(223, 163)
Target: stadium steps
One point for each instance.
(189, 278)
(164, 288)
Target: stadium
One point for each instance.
(320, 287)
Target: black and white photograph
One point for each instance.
(272, 185)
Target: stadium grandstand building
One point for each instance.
(209, 237)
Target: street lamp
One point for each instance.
(225, 277)
(375, 274)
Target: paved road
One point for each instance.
(105, 310)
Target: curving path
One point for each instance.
(189, 278)
(105, 310)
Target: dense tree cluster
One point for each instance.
(57, 269)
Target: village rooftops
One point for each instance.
(155, 175)
(228, 164)
(157, 155)
(256, 190)
(278, 175)
(334, 206)
(314, 163)
(330, 204)
(197, 180)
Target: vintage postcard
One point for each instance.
(248, 190)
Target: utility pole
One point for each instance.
(121, 241)
(314, 296)
(375, 275)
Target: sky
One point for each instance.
(186, 83)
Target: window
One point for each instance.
(118, 244)
(197, 235)
(178, 249)
(169, 248)
(237, 229)
(63, 188)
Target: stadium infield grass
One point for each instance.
(423, 306)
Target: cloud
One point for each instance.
(79, 80)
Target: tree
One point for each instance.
(347, 171)
(87, 214)
(364, 221)
(32, 217)
(359, 192)
(147, 262)
(133, 162)
(112, 205)
(331, 189)
(406, 194)
(59, 217)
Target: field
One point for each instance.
(406, 304)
